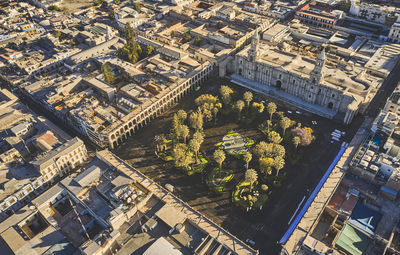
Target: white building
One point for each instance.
(313, 84)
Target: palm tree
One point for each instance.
(196, 120)
(247, 158)
(278, 150)
(262, 149)
(251, 176)
(194, 145)
(269, 124)
(285, 123)
(247, 97)
(182, 115)
(271, 108)
(219, 157)
(266, 165)
(226, 92)
(198, 136)
(239, 106)
(296, 141)
(274, 137)
(161, 142)
(279, 163)
(184, 131)
(215, 112)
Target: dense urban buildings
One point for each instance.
(82, 79)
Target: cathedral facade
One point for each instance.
(307, 79)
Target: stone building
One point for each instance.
(311, 84)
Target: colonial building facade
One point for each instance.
(310, 80)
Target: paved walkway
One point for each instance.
(282, 96)
(223, 236)
(294, 242)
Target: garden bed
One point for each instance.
(249, 200)
(217, 183)
(198, 168)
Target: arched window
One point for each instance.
(330, 105)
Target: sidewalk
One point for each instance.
(294, 242)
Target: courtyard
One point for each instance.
(264, 226)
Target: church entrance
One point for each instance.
(330, 105)
(278, 84)
(240, 71)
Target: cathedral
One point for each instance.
(342, 91)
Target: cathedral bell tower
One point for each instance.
(253, 51)
(317, 74)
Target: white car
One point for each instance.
(290, 112)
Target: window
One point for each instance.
(333, 95)
(280, 76)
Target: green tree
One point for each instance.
(269, 124)
(296, 141)
(239, 107)
(198, 136)
(219, 157)
(97, 2)
(274, 137)
(182, 156)
(161, 142)
(186, 37)
(215, 113)
(108, 74)
(262, 149)
(247, 156)
(226, 92)
(196, 120)
(111, 13)
(149, 50)
(247, 97)
(285, 123)
(271, 108)
(175, 129)
(137, 6)
(194, 145)
(184, 132)
(182, 115)
(264, 187)
(278, 150)
(174, 33)
(117, 2)
(251, 176)
(279, 163)
(258, 106)
(57, 34)
(266, 165)
(197, 40)
(54, 8)
(205, 98)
